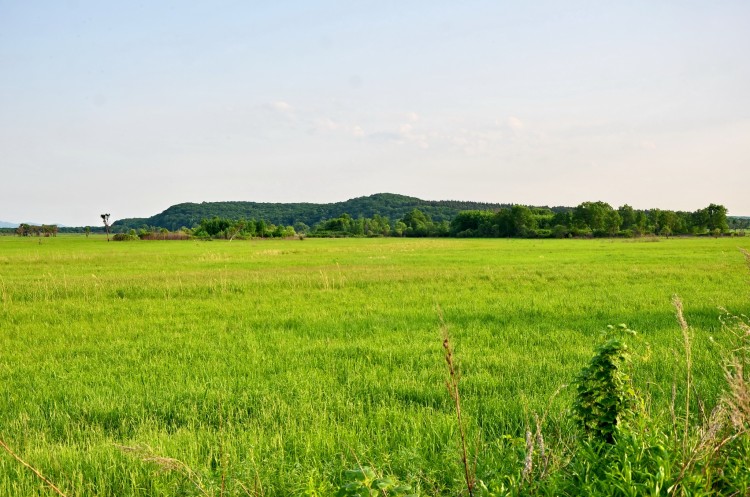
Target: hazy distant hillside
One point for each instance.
(386, 204)
(4, 224)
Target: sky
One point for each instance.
(130, 107)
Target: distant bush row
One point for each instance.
(587, 220)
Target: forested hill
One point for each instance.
(389, 205)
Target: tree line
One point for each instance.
(287, 214)
(589, 219)
(46, 230)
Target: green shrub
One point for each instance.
(364, 482)
(124, 237)
(604, 393)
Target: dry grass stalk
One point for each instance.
(706, 447)
(542, 449)
(452, 385)
(257, 484)
(672, 411)
(737, 398)
(222, 455)
(535, 443)
(709, 433)
(735, 403)
(165, 464)
(32, 468)
(528, 462)
(687, 341)
(245, 489)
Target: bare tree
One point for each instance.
(105, 220)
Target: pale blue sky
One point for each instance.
(128, 109)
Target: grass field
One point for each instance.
(270, 367)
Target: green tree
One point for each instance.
(358, 226)
(473, 223)
(300, 227)
(592, 215)
(522, 220)
(612, 222)
(260, 228)
(417, 223)
(251, 228)
(639, 227)
(518, 221)
(560, 231)
(627, 214)
(717, 217)
(504, 222)
(216, 226)
(380, 225)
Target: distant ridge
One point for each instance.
(390, 205)
(5, 224)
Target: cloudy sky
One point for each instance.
(130, 107)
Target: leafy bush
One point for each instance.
(604, 393)
(124, 237)
(364, 482)
(625, 451)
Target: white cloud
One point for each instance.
(282, 106)
(326, 124)
(515, 123)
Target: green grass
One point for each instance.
(280, 364)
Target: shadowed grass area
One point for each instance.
(279, 364)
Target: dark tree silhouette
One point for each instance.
(105, 220)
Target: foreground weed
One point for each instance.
(32, 468)
(167, 465)
(452, 385)
(604, 392)
(365, 482)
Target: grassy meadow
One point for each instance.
(271, 367)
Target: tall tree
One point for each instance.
(717, 217)
(612, 222)
(592, 215)
(105, 220)
(522, 220)
(627, 214)
(417, 223)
